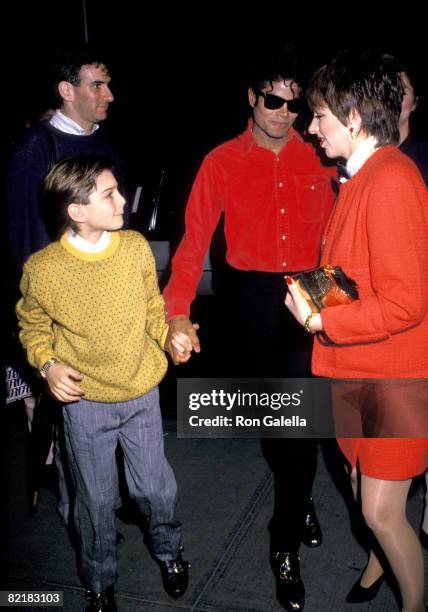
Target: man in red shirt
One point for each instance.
(276, 198)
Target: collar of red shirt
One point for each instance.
(248, 140)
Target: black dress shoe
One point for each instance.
(175, 575)
(360, 594)
(120, 538)
(101, 602)
(311, 532)
(423, 536)
(290, 590)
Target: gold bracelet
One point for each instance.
(308, 322)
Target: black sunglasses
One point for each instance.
(273, 102)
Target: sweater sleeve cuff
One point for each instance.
(163, 338)
(339, 329)
(42, 357)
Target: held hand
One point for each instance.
(181, 348)
(182, 339)
(63, 383)
(300, 308)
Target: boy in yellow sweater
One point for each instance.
(92, 322)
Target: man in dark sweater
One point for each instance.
(82, 82)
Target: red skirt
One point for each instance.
(382, 425)
(387, 458)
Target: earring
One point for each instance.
(351, 131)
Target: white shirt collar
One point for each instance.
(88, 247)
(361, 155)
(67, 125)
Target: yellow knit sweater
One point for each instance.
(100, 313)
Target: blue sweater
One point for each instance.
(30, 161)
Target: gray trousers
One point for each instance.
(92, 431)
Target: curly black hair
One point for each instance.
(282, 63)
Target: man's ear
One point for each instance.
(65, 90)
(77, 212)
(252, 98)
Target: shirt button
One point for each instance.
(284, 263)
(282, 211)
(283, 237)
(280, 184)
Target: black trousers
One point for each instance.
(278, 347)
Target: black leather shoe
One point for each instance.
(120, 538)
(360, 594)
(101, 602)
(290, 590)
(423, 536)
(311, 532)
(175, 575)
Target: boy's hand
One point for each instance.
(180, 348)
(61, 380)
(184, 325)
(182, 339)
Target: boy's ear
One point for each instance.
(77, 212)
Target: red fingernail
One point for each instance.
(289, 280)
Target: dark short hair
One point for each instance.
(281, 64)
(70, 180)
(69, 62)
(415, 72)
(367, 82)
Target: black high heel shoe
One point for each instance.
(360, 594)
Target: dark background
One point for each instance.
(179, 73)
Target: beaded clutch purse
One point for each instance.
(326, 286)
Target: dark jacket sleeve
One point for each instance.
(26, 169)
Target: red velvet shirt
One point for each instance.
(275, 206)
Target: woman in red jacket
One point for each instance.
(378, 234)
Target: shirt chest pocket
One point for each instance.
(312, 192)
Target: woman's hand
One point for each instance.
(300, 308)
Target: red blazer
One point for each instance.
(378, 234)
